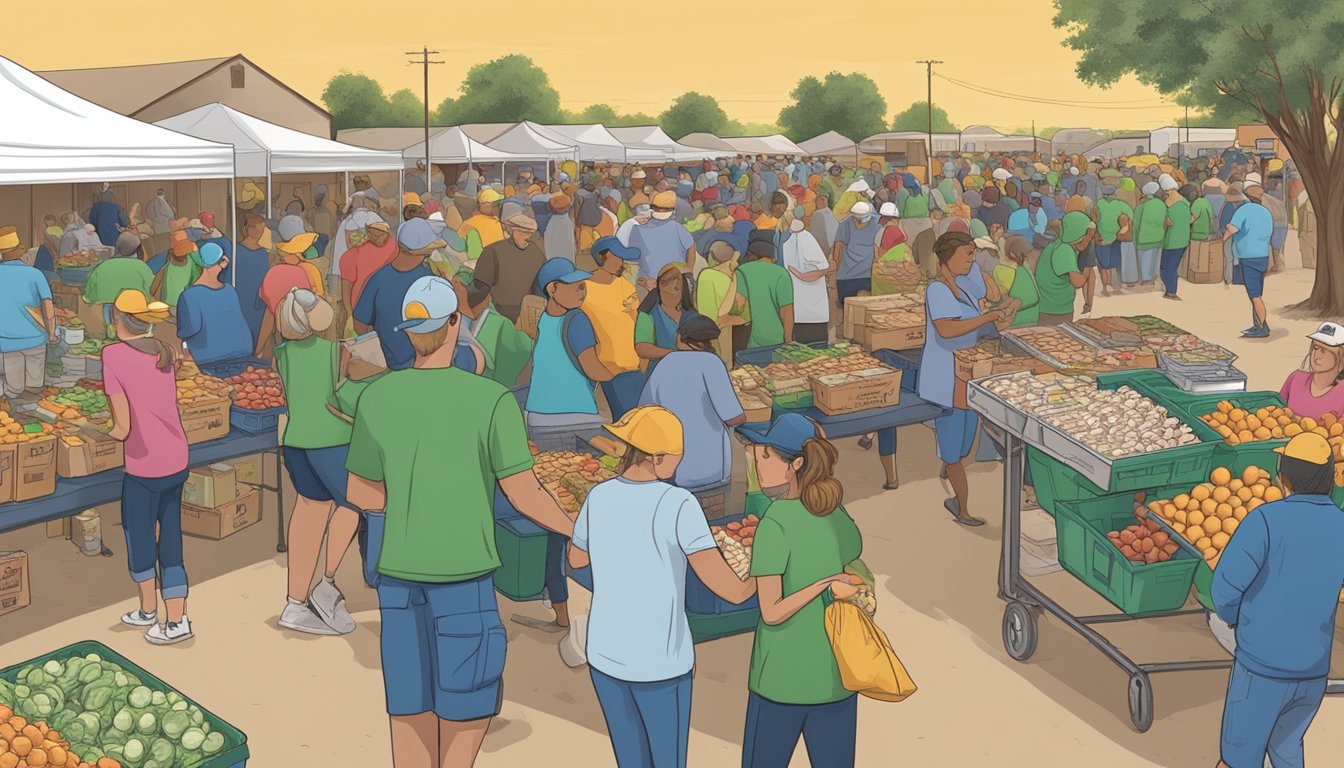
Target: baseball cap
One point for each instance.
(861, 209)
(417, 235)
(1309, 447)
(560, 270)
(211, 254)
(616, 248)
(888, 209)
(522, 221)
(135, 302)
(786, 435)
(428, 304)
(1329, 334)
(1252, 180)
(665, 200)
(643, 209)
(651, 429)
(489, 195)
(290, 227)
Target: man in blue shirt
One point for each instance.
(662, 241)
(1277, 584)
(209, 315)
(1250, 230)
(24, 296)
(379, 306)
(108, 218)
(249, 270)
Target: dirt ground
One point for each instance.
(319, 701)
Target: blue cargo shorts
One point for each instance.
(1265, 716)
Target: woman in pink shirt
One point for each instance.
(1314, 390)
(142, 391)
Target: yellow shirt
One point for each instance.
(766, 222)
(488, 227)
(314, 277)
(612, 310)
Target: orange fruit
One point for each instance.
(1224, 407)
(1272, 493)
(1221, 494)
(1308, 423)
(1212, 525)
(1208, 506)
(1204, 543)
(1221, 476)
(1246, 436)
(1245, 495)
(1253, 503)
(1236, 414)
(1250, 474)
(1230, 525)
(1194, 518)
(1220, 540)
(1200, 492)
(1292, 430)
(1181, 500)
(1224, 511)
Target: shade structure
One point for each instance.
(264, 148)
(763, 145)
(50, 136)
(708, 141)
(653, 139)
(529, 139)
(829, 143)
(596, 143)
(453, 145)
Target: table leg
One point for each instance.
(1010, 555)
(280, 544)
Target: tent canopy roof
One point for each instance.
(528, 138)
(453, 145)
(828, 143)
(51, 136)
(595, 142)
(652, 137)
(263, 148)
(764, 145)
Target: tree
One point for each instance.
(634, 118)
(916, 118)
(405, 109)
(505, 90)
(1225, 57)
(598, 113)
(354, 101)
(693, 112)
(739, 128)
(849, 104)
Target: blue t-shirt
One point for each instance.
(937, 372)
(856, 263)
(211, 322)
(660, 243)
(379, 306)
(21, 287)
(251, 265)
(568, 388)
(108, 219)
(694, 386)
(157, 262)
(639, 536)
(1254, 226)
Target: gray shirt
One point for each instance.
(856, 262)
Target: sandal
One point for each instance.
(951, 505)
(866, 442)
(891, 486)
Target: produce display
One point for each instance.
(1109, 332)
(1149, 325)
(1209, 514)
(76, 403)
(569, 476)
(756, 387)
(1239, 426)
(851, 362)
(200, 388)
(1114, 424)
(24, 744)
(904, 273)
(78, 260)
(1064, 351)
(734, 541)
(794, 352)
(895, 318)
(257, 389)
(1144, 544)
(1188, 349)
(108, 716)
(12, 432)
(89, 347)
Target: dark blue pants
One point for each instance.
(851, 287)
(649, 723)
(886, 442)
(1171, 266)
(828, 730)
(151, 518)
(623, 392)
(557, 583)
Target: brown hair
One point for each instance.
(948, 243)
(148, 345)
(426, 344)
(820, 492)
(630, 458)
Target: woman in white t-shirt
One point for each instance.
(639, 532)
(807, 265)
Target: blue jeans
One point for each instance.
(370, 545)
(557, 583)
(148, 503)
(1263, 715)
(828, 730)
(649, 723)
(1171, 266)
(851, 287)
(886, 442)
(623, 392)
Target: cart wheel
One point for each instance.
(1140, 702)
(1019, 631)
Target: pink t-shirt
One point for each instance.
(1296, 393)
(157, 444)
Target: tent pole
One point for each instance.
(233, 226)
(401, 182)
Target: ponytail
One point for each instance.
(146, 343)
(820, 492)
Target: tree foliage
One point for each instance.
(405, 109)
(504, 90)
(355, 101)
(693, 112)
(849, 104)
(916, 118)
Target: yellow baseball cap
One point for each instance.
(489, 195)
(1309, 447)
(136, 303)
(651, 429)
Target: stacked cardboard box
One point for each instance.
(1204, 262)
(215, 505)
(15, 592)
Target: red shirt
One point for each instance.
(359, 263)
(278, 282)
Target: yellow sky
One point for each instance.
(635, 61)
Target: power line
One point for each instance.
(1021, 96)
(1050, 102)
(424, 61)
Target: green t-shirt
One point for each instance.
(792, 662)
(178, 278)
(1018, 282)
(1150, 224)
(1108, 218)
(308, 369)
(711, 287)
(114, 276)
(1202, 226)
(439, 467)
(507, 349)
(1057, 261)
(1178, 234)
(644, 333)
(768, 289)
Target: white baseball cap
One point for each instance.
(888, 209)
(861, 209)
(1330, 334)
(1252, 180)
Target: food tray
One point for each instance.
(1228, 379)
(1027, 349)
(235, 752)
(1170, 466)
(1000, 412)
(1260, 453)
(1082, 334)
(255, 422)
(906, 361)
(1163, 327)
(700, 599)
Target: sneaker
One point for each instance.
(139, 618)
(1257, 333)
(573, 646)
(169, 632)
(1251, 330)
(301, 618)
(329, 604)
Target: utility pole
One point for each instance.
(1187, 130)
(1033, 137)
(928, 74)
(425, 62)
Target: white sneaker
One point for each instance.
(169, 632)
(139, 618)
(329, 605)
(574, 645)
(300, 617)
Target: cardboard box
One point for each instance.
(8, 471)
(248, 470)
(1204, 256)
(204, 421)
(35, 468)
(530, 315)
(58, 529)
(66, 297)
(210, 486)
(857, 309)
(910, 337)
(92, 315)
(225, 520)
(858, 391)
(98, 453)
(757, 411)
(14, 589)
(1205, 278)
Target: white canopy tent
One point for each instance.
(528, 138)
(764, 145)
(653, 139)
(708, 141)
(596, 143)
(829, 143)
(453, 145)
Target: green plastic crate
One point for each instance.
(706, 627)
(1055, 481)
(1084, 551)
(521, 544)
(794, 401)
(233, 755)
(1260, 453)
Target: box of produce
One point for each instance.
(987, 359)
(863, 390)
(1150, 325)
(1188, 353)
(1098, 544)
(15, 591)
(9, 457)
(794, 352)
(81, 452)
(204, 419)
(34, 458)
(569, 475)
(1065, 351)
(257, 389)
(105, 706)
(895, 329)
(857, 309)
(734, 539)
(75, 404)
(1107, 332)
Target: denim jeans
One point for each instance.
(557, 583)
(828, 730)
(623, 392)
(1171, 266)
(649, 723)
(146, 504)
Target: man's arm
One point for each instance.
(592, 367)
(837, 250)
(1077, 279)
(1241, 562)
(808, 277)
(715, 572)
(786, 317)
(524, 491)
(49, 314)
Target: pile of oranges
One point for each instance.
(12, 432)
(1209, 514)
(1238, 425)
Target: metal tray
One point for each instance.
(1092, 341)
(1027, 350)
(1069, 450)
(998, 411)
(1227, 379)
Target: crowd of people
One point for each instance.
(478, 302)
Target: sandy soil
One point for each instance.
(318, 701)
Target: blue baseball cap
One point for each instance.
(429, 302)
(210, 254)
(417, 235)
(561, 271)
(786, 435)
(615, 247)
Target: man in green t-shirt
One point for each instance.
(769, 292)
(1113, 217)
(426, 476)
(125, 271)
(1058, 277)
(1176, 242)
(507, 349)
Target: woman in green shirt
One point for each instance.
(801, 547)
(667, 306)
(314, 442)
(717, 297)
(1015, 279)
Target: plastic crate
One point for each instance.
(794, 401)
(255, 422)
(1085, 552)
(521, 545)
(225, 369)
(235, 752)
(1054, 480)
(1260, 453)
(906, 361)
(713, 627)
(74, 275)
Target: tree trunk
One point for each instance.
(1327, 292)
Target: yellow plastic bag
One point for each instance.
(868, 665)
